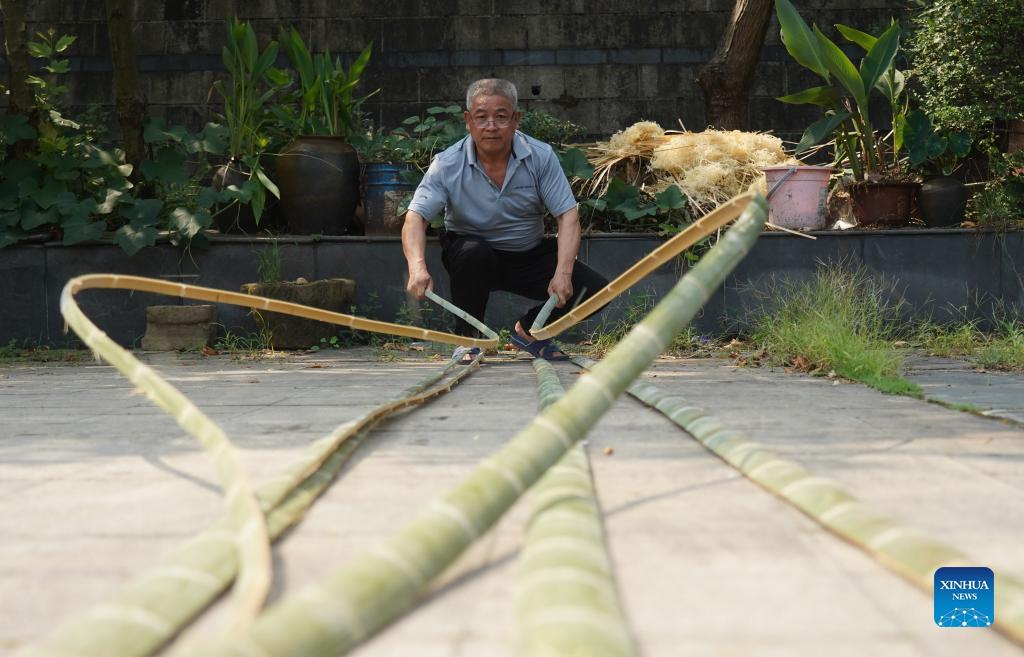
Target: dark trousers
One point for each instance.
(476, 269)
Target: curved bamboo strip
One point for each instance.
(697, 231)
(459, 312)
(567, 603)
(142, 284)
(194, 575)
(351, 604)
(908, 552)
(245, 517)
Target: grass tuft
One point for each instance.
(843, 320)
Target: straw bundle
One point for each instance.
(708, 167)
(713, 166)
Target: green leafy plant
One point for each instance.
(846, 96)
(325, 95)
(927, 147)
(244, 115)
(966, 56)
(268, 264)
(549, 128)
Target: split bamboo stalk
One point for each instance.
(194, 575)
(245, 522)
(142, 284)
(908, 552)
(348, 606)
(697, 231)
(459, 312)
(567, 603)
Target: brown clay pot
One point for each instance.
(319, 181)
(883, 204)
(942, 201)
(239, 217)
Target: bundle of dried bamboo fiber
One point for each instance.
(708, 167)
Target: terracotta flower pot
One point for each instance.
(883, 204)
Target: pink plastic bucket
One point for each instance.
(799, 202)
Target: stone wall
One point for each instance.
(601, 63)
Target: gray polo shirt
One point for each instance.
(510, 218)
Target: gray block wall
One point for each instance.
(945, 275)
(602, 63)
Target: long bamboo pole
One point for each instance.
(346, 607)
(194, 575)
(246, 526)
(568, 603)
(908, 552)
(697, 231)
(196, 292)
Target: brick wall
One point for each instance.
(601, 63)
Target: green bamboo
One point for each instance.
(459, 312)
(545, 312)
(194, 575)
(906, 551)
(349, 605)
(245, 521)
(568, 603)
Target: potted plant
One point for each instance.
(936, 153)
(242, 177)
(394, 163)
(319, 170)
(881, 190)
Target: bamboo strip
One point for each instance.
(349, 605)
(210, 560)
(459, 312)
(244, 516)
(545, 312)
(567, 605)
(196, 292)
(697, 231)
(907, 552)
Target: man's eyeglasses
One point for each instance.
(502, 122)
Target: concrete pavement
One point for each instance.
(96, 483)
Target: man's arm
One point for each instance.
(568, 248)
(414, 246)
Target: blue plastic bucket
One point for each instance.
(386, 192)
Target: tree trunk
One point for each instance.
(128, 97)
(20, 100)
(726, 78)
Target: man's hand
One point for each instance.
(419, 282)
(561, 284)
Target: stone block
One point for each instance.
(23, 307)
(928, 270)
(528, 57)
(395, 84)
(119, 313)
(442, 8)
(418, 34)
(291, 332)
(546, 31)
(183, 10)
(675, 80)
(581, 57)
(487, 33)
(230, 262)
(609, 81)
(191, 37)
(475, 8)
(154, 37)
(346, 35)
(1011, 262)
(379, 270)
(179, 328)
(477, 58)
(540, 82)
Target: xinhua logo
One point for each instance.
(964, 597)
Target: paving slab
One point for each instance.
(96, 484)
(993, 393)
